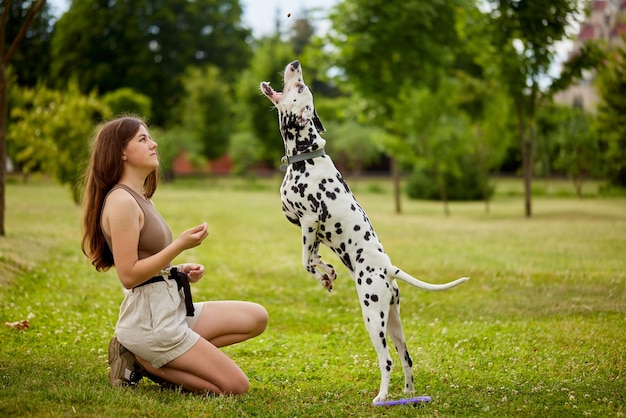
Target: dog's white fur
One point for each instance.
(315, 197)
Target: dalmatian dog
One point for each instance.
(315, 197)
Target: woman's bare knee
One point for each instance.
(237, 386)
(261, 318)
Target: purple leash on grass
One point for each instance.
(405, 401)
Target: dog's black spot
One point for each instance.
(346, 261)
(315, 204)
(325, 214)
(300, 188)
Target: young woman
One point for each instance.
(159, 334)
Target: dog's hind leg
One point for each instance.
(375, 309)
(394, 328)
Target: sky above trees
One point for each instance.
(259, 15)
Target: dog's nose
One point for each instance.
(295, 64)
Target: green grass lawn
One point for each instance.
(539, 330)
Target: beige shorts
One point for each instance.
(153, 323)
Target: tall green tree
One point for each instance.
(127, 101)
(435, 138)
(147, 45)
(50, 132)
(579, 153)
(611, 117)
(8, 48)
(31, 62)
(301, 33)
(482, 97)
(387, 46)
(207, 113)
(525, 34)
(254, 112)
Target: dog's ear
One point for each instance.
(318, 123)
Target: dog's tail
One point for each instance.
(399, 274)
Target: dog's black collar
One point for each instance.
(300, 157)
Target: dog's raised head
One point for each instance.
(295, 102)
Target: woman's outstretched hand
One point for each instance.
(194, 236)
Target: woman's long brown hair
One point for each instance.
(104, 171)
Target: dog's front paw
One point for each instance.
(381, 397)
(332, 274)
(327, 282)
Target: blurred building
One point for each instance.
(606, 21)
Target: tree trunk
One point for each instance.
(526, 157)
(395, 174)
(443, 193)
(527, 163)
(485, 188)
(3, 151)
(578, 185)
(532, 141)
(5, 59)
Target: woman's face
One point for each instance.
(141, 151)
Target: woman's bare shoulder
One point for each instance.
(120, 201)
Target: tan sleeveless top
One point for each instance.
(155, 234)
